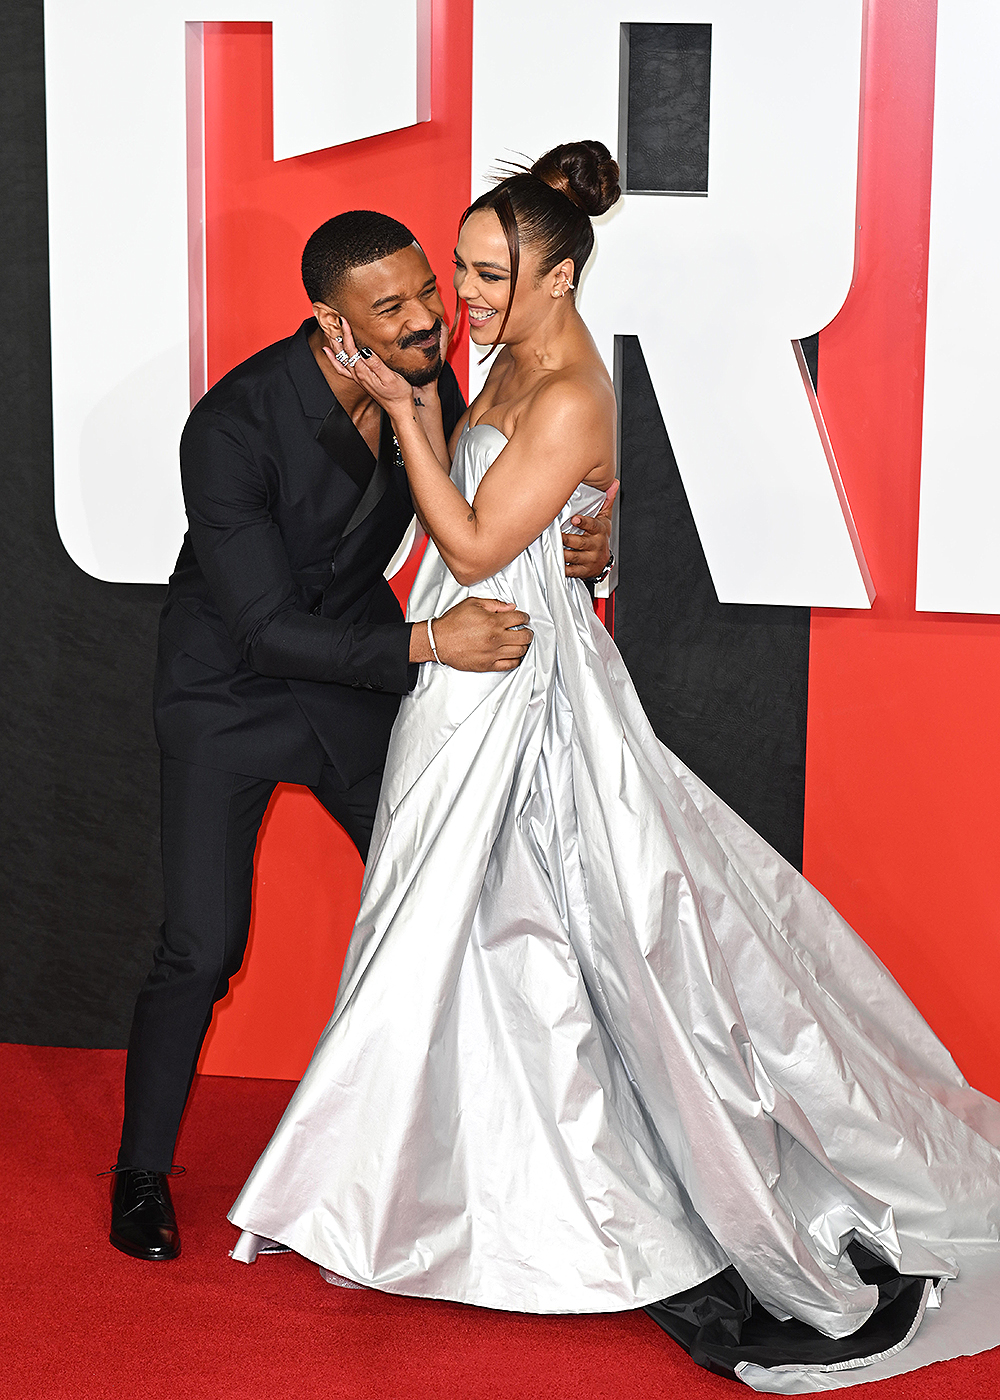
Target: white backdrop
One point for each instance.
(958, 562)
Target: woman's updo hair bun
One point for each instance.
(584, 171)
(547, 208)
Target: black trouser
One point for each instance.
(210, 822)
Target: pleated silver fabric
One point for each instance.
(595, 1040)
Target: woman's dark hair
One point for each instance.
(549, 205)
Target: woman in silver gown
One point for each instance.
(596, 1045)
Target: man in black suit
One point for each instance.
(283, 653)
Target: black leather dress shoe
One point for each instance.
(143, 1223)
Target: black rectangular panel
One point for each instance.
(80, 892)
(664, 108)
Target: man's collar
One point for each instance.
(315, 394)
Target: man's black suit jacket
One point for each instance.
(282, 647)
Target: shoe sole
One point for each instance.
(135, 1253)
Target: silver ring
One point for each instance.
(354, 359)
(341, 357)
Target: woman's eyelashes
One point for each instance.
(483, 275)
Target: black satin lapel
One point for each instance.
(341, 441)
(380, 477)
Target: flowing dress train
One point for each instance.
(597, 1043)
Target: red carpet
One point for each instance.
(83, 1321)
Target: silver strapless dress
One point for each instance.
(595, 1040)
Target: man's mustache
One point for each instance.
(422, 338)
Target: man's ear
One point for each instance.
(329, 320)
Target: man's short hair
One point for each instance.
(347, 241)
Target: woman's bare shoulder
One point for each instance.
(578, 398)
(568, 423)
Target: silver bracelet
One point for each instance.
(430, 638)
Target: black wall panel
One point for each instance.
(79, 869)
(724, 684)
(664, 108)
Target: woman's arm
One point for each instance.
(563, 435)
(556, 443)
(427, 412)
(427, 407)
(457, 433)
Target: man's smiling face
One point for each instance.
(394, 307)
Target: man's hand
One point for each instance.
(475, 635)
(587, 555)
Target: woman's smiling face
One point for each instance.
(482, 280)
(482, 274)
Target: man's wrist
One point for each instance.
(420, 647)
(606, 571)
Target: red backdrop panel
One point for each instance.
(258, 216)
(903, 755)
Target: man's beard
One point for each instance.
(419, 377)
